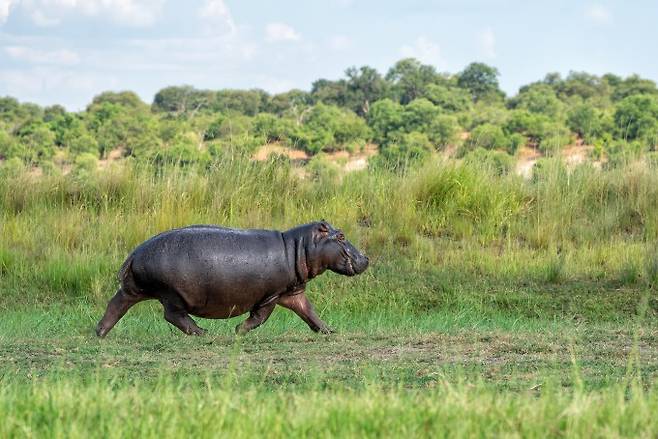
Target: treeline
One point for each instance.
(409, 112)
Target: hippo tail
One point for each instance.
(126, 278)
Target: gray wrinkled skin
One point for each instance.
(216, 272)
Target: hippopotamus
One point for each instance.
(217, 273)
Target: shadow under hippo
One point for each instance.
(218, 273)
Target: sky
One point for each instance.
(67, 51)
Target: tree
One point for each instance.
(385, 119)
(585, 120)
(247, 102)
(181, 100)
(418, 115)
(409, 78)
(582, 84)
(410, 150)
(633, 85)
(330, 92)
(636, 117)
(481, 81)
(364, 86)
(117, 126)
(487, 136)
(443, 130)
(538, 98)
(448, 98)
(38, 141)
(292, 102)
(125, 98)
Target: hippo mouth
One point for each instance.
(350, 268)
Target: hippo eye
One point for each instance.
(340, 236)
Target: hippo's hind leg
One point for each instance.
(300, 304)
(257, 317)
(116, 308)
(175, 312)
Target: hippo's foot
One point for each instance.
(196, 331)
(240, 329)
(326, 330)
(101, 331)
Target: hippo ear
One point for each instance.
(324, 226)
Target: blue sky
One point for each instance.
(67, 51)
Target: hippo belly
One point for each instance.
(218, 272)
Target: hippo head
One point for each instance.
(336, 253)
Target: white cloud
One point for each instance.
(423, 50)
(5, 6)
(36, 56)
(137, 13)
(598, 14)
(339, 42)
(40, 19)
(488, 43)
(277, 32)
(217, 13)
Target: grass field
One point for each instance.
(493, 306)
(381, 374)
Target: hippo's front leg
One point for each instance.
(300, 304)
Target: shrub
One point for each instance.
(636, 117)
(556, 136)
(531, 125)
(85, 165)
(487, 136)
(585, 120)
(443, 130)
(412, 149)
(500, 163)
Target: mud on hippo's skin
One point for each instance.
(218, 272)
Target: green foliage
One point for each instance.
(540, 99)
(556, 136)
(12, 167)
(85, 165)
(448, 98)
(633, 85)
(496, 162)
(10, 146)
(585, 121)
(292, 102)
(418, 115)
(37, 141)
(124, 98)
(444, 130)
(182, 100)
(385, 119)
(481, 81)
(327, 128)
(636, 117)
(412, 149)
(365, 86)
(345, 113)
(247, 102)
(487, 136)
(409, 78)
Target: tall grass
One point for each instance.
(81, 408)
(429, 231)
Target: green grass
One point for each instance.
(492, 306)
(379, 374)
